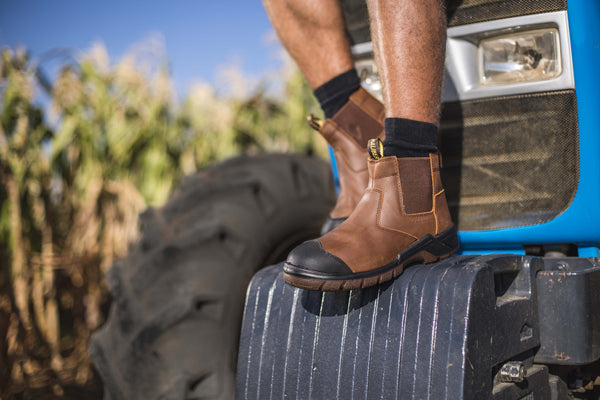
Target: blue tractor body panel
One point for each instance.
(580, 223)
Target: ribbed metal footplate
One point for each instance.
(440, 331)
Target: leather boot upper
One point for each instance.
(403, 202)
(348, 132)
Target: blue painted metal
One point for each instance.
(587, 251)
(580, 223)
(334, 169)
(501, 250)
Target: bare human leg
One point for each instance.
(409, 39)
(313, 32)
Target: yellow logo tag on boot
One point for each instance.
(314, 122)
(375, 148)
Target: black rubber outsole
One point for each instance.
(426, 250)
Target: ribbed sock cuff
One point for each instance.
(409, 138)
(333, 94)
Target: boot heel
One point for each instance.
(449, 238)
(443, 244)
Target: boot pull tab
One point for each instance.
(375, 148)
(314, 122)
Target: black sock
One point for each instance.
(409, 138)
(334, 93)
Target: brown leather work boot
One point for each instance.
(348, 132)
(401, 219)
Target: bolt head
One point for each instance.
(512, 371)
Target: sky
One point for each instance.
(200, 37)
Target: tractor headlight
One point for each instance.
(520, 57)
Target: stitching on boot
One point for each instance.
(352, 99)
(379, 210)
(434, 197)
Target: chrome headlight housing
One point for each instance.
(526, 56)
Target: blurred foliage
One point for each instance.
(71, 190)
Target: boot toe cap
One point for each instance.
(310, 259)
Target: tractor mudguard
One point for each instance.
(464, 328)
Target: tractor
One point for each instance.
(197, 315)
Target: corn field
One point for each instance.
(76, 171)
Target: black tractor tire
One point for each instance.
(173, 328)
